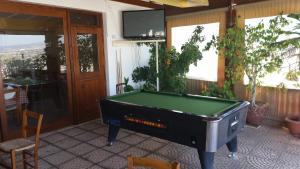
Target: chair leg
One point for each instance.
(24, 160)
(13, 159)
(36, 158)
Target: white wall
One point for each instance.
(131, 55)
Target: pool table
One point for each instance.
(205, 123)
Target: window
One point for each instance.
(33, 61)
(207, 67)
(291, 58)
(87, 52)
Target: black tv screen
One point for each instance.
(146, 24)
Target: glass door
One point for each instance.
(34, 68)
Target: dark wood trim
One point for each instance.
(3, 118)
(231, 14)
(141, 3)
(33, 9)
(68, 64)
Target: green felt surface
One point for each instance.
(195, 105)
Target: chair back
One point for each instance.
(120, 88)
(26, 128)
(152, 163)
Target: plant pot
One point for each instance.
(293, 124)
(255, 115)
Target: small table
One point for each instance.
(9, 97)
(204, 123)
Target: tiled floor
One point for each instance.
(84, 146)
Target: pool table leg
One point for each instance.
(232, 147)
(112, 134)
(206, 159)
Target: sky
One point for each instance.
(13, 40)
(207, 67)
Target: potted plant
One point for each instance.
(293, 122)
(255, 51)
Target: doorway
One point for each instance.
(89, 71)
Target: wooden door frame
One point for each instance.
(39, 10)
(98, 30)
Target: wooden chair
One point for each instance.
(24, 144)
(152, 163)
(120, 88)
(14, 104)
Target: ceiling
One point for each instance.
(213, 4)
(170, 10)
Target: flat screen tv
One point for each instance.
(144, 24)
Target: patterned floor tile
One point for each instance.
(134, 151)
(260, 163)
(159, 140)
(127, 131)
(188, 166)
(143, 135)
(96, 167)
(121, 135)
(58, 158)
(266, 153)
(116, 147)
(98, 141)
(101, 131)
(90, 126)
(81, 149)
(54, 138)
(133, 139)
(150, 145)
(67, 143)
(77, 163)
(170, 151)
(293, 149)
(43, 143)
(290, 159)
(86, 136)
(46, 134)
(262, 148)
(116, 162)
(190, 157)
(41, 163)
(97, 155)
(73, 131)
(48, 150)
(224, 162)
(158, 157)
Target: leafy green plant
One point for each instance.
(294, 67)
(263, 53)
(230, 45)
(221, 92)
(253, 50)
(173, 65)
(127, 87)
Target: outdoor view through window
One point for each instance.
(291, 61)
(33, 62)
(207, 67)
